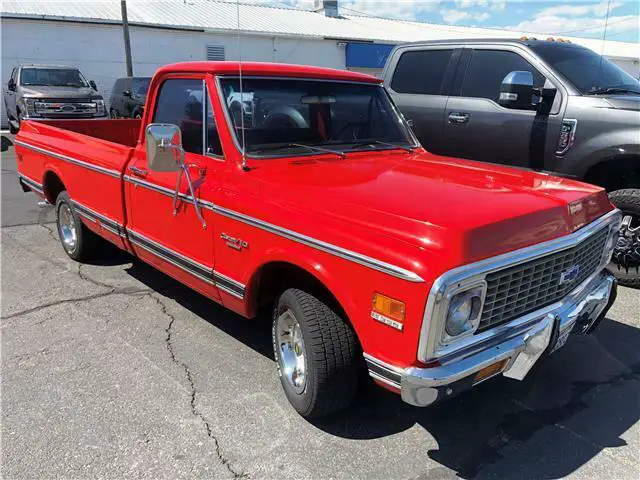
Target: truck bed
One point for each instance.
(88, 157)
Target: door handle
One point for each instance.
(140, 172)
(458, 118)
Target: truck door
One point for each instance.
(419, 85)
(478, 128)
(177, 241)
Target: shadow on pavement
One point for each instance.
(6, 143)
(494, 424)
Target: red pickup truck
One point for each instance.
(302, 190)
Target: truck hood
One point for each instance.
(58, 92)
(624, 102)
(475, 209)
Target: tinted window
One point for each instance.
(140, 86)
(587, 70)
(488, 68)
(421, 72)
(52, 77)
(180, 103)
(277, 113)
(117, 87)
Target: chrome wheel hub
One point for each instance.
(67, 226)
(291, 353)
(627, 252)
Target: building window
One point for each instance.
(215, 52)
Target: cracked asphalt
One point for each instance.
(113, 370)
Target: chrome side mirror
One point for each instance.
(165, 154)
(516, 91)
(164, 147)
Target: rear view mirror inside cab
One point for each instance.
(315, 99)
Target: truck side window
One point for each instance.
(488, 68)
(180, 103)
(421, 72)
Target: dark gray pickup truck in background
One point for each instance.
(545, 105)
(50, 91)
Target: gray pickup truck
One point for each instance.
(546, 105)
(49, 91)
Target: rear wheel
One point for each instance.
(317, 354)
(77, 240)
(625, 264)
(113, 114)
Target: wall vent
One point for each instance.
(215, 52)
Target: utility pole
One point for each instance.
(127, 40)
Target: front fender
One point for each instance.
(582, 157)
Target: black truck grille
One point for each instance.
(527, 287)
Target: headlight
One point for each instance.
(29, 106)
(463, 315)
(100, 106)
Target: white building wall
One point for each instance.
(98, 49)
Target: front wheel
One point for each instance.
(625, 264)
(80, 243)
(317, 354)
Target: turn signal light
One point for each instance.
(388, 311)
(490, 371)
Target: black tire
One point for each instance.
(87, 243)
(626, 259)
(332, 354)
(112, 114)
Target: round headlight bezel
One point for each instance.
(467, 304)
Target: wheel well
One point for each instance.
(615, 173)
(52, 187)
(273, 278)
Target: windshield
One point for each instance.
(141, 86)
(52, 77)
(585, 69)
(288, 116)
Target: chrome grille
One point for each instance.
(65, 108)
(527, 287)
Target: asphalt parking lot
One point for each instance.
(114, 370)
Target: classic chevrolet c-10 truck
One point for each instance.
(301, 191)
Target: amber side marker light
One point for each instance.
(388, 310)
(490, 371)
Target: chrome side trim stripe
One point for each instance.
(323, 246)
(74, 161)
(32, 184)
(352, 256)
(383, 372)
(290, 234)
(106, 222)
(198, 270)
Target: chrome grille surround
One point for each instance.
(48, 107)
(431, 344)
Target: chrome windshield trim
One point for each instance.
(352, 256)
(66, 158)
(429, 332)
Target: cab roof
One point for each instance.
(266, 69)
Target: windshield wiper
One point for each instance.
(312, 148)
(407, 148)
(612, 90)
(318, 149)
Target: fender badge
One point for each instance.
(232, 242)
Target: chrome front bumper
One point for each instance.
(518, 345)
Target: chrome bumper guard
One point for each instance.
(519, 345)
